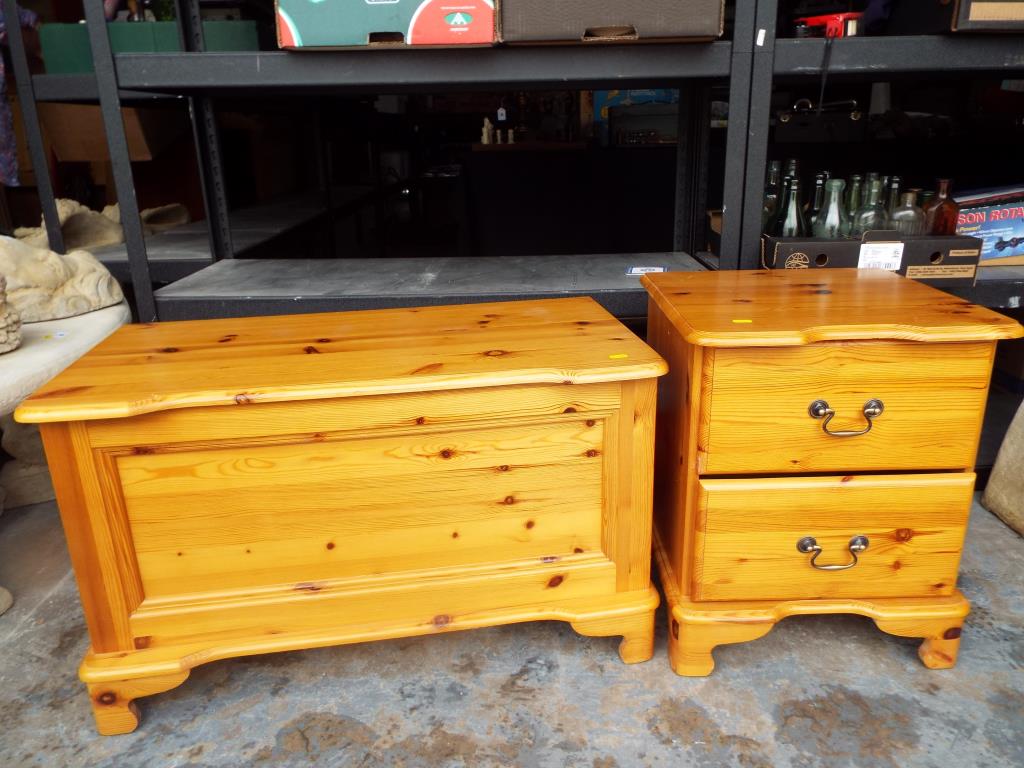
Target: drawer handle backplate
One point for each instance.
(809, 544)
(820, 409)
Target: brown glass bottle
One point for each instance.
(940, 214)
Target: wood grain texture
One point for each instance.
(749, 352)
(746, 534)
(696, 628)
(773, 308)
(605, 615)
(98, 538)
(369, 510)
(145, 368)
(414, 412)
(676, 436)
(755, 414)
(209, 519)
(113, 702)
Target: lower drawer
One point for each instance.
(746, 542)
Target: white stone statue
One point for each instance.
(43, 285)
(10, 322)
(82, 228)
(85, 228)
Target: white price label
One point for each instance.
(637, 271)
(502, 114)
(881, 256)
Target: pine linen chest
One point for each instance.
(235, 487)
(816, 441)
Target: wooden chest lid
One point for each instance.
(789, 307)
(159, 366)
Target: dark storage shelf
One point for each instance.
(80, 89)
(402, 70)
(882, 56)
(244, 287)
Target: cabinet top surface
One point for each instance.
(788, 307)
(144, 368)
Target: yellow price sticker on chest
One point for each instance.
(618, 356)
(742, 320)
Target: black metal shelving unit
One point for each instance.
(747, 67)
(782, 60)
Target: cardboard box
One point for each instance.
(715, 231)
(996, 216)
(604, 21)
(989, 16)
(939, 260)
(385, 23)
(928, 17)
(77, 135)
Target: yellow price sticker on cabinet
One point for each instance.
(742, 320)
(618, 356)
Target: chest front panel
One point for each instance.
(247, 515)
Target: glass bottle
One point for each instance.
(872, 214)
(772, 192)
(790, 220)
(907, 219)
(852, 201)
(831, 219)
(893, 194)
(818, 200)
(942, 212)
(924, 199)
(792, 168)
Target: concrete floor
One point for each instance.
(816, 691)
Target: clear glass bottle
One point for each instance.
(790, 220)
(831, 219)
(893, 193)
(907, 219)
(942, 211)
(852, 201)
(772, 192)
(818, 200)
(872, 214)
(792, 168)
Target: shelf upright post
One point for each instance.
(325, 176)
(33, 132)
(759, 117)
(120, 160)
(736, 132)
(206, 139)
(692, 146)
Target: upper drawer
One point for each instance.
(755, 409)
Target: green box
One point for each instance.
(66, 46)
(308, 24)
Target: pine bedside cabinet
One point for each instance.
(816, 444)
(235, 487)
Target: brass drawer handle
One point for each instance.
(820, 409)
(809, 544)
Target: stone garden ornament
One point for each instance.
(43, 285)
